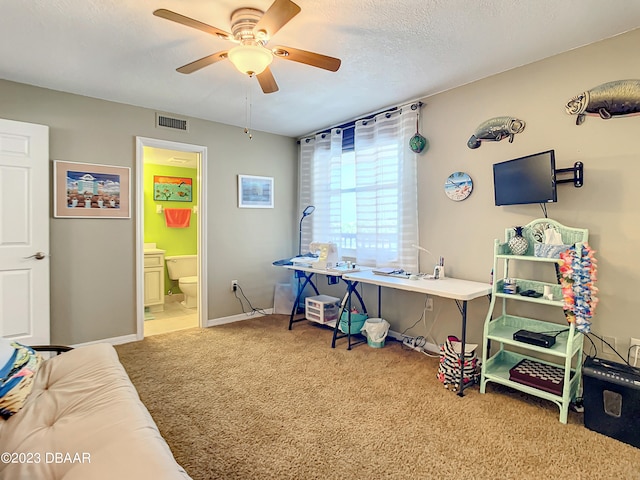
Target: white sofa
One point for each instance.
(84, 420)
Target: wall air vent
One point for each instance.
(171, 122)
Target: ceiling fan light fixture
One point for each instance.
(250, 59)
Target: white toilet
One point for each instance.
(184, 268)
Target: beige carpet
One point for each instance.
(253, 400)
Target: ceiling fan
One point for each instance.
(251, 30)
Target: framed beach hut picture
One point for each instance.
(85, 190)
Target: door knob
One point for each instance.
(37, 256)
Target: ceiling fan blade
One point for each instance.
(203, 62)
(190, 22)
(267, 82)
(278, 15)
(309, 58)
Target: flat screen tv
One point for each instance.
(530, 179)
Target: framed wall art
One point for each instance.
(172, 189)
(85, 190)
(255, 192)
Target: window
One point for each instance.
(366, 194)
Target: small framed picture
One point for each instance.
(172, 189)
(255, 192)
(85, 190)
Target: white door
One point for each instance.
(24, 232)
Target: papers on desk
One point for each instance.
(390, 272)
(405, 276)
(385, 271)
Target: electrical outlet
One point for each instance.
(634, 351)
(429, 304)
(606, 349)
(234, 285)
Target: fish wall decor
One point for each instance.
(496, 129)
(612, 99)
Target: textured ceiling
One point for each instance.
(392, 51)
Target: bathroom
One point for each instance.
(170, 240)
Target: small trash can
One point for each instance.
(376, 330)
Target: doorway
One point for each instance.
(190, 162)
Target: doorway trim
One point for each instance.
(142, 142)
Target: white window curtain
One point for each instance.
(366, 199)
(320, 184)
(386, 197)
(305, 190)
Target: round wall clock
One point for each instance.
(458, 186)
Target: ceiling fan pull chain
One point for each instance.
(248, 101)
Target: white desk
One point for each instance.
(459, 290)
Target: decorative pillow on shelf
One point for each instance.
(19, 364)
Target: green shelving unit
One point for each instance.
(565, 354)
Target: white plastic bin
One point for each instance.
(283, 298)
(322, 308)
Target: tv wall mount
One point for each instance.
(578, 174)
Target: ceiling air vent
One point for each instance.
(171, 122)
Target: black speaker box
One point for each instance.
(612, 400)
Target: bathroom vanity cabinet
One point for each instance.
(154, 279)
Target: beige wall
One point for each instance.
(242, 242)
(463, 232)
(93, 271)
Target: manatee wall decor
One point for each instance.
(495, 129)
(612, 99)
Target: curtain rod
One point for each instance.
(351, 124)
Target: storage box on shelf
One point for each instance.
(565, 354)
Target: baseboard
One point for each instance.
(209, 323)
(236, 318)
(395, 335)
(113, 341)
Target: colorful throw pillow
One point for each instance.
(19, 366)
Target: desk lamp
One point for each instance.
(438, 271)
(305, 213)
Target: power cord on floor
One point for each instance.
(418, 343)
(252, 309)
(636, 357)
(555, 333)
(422, 317)
(593, 346)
